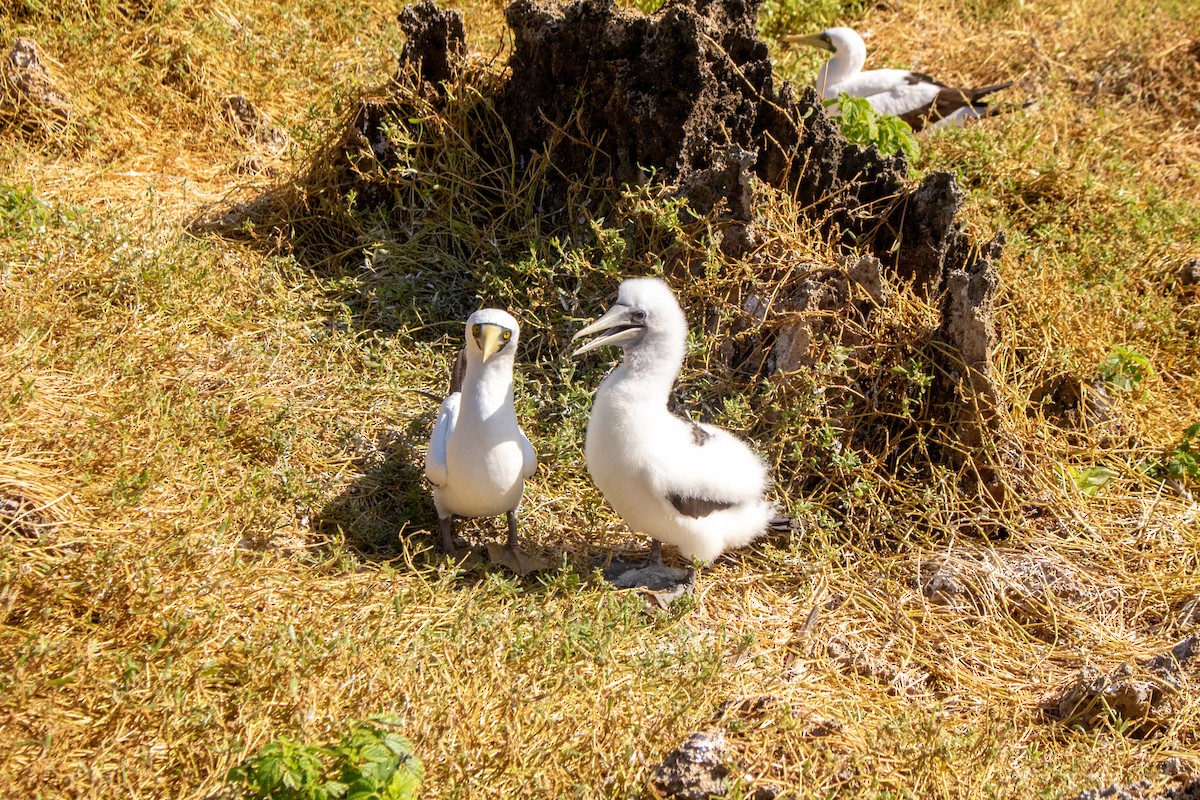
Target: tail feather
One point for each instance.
(975, 95)
(782, 523)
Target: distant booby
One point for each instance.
(694, 486)
(478, 458)
(914, 97)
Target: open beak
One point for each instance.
(619, 325)
(490, 338)
(817, 40)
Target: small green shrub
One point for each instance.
(1091, 480)
(22, 213)
(1125, 370)
(1182, 462)
(370, 763)
(862, 125)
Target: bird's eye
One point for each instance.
(476, 331)
(507, 335)
(638, 317)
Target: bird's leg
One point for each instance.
(511, 555)
(465, 556)
(447, 535)
(512, 530)
(656, 552)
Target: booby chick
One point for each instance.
(694, 486)
(914, 97)
(478, 458)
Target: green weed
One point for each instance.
(370, 763)
(861, 124)
(1182, 462)
(1125, 370)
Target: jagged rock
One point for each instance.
(1174, 665)
(931, 235)
(1143, 697)
(946, 586)
(867, 272)
(968, 323)
(859, 662)
(696, 770)
(1134, 791)
(29, 97)
(1033, 588)
(436, 41)
(1074, 402)
(689, 92)
(251, 123)
(1189, 274)
(1189, 789)
(20, 516)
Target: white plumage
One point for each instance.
(913, 96)
(478, 458)
(694, 486)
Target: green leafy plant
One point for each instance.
(1125, 370)
(370, 763)
(1182, 462)
(22, 213)
(1091, 480)
(862, 125)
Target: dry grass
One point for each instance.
(210, 446)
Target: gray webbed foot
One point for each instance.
(661, 585)
(515, 559)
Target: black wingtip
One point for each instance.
(457, 372)
(984, 91)
(784, 524)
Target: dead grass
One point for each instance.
(209, 447)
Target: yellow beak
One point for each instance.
(812, 40)
(490, 338)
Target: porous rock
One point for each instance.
(1141, 696)
(28, 94)
(1187, 789)
(252, 124)
(1189, 274)
(436, 41)
(696, 770)
(20, 516)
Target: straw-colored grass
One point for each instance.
(215, 531)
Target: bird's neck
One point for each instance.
(844, 64)
(488, 389)
(647, 373)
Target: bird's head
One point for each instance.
(645, 311)
(491, 331)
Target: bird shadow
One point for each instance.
(386, 513)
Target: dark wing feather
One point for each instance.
(948, 100)
(697, 507)
(458, 371)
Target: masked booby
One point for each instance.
(478, 458)
(694, 486)
(914, 97)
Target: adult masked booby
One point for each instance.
(478, 458)
(694, 486)
(913, 96)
